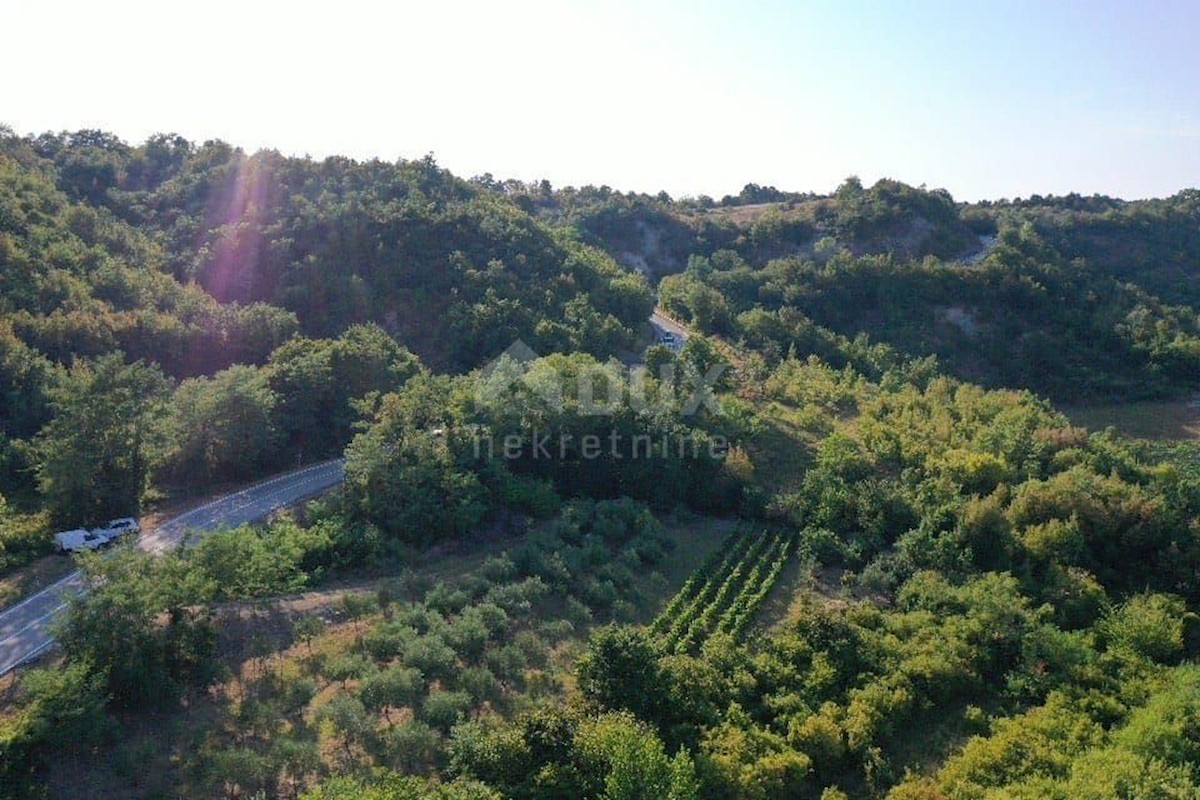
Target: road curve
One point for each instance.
(663, 324)
(25, 628)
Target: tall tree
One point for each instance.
(316, 381)
(224, 426)
(143, 626)
(95, 455)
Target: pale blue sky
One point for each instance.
(984, 99)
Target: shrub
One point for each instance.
(387, 640)
(394, 687)
(1149, 626)
(347, 667)
(480, 683)
(432, 656)
(443, 709)
(468, 635)
(411, 746)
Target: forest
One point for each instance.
(866, 553)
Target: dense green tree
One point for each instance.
(628, 762)
(96, 456)
(394, 688)
(444, 263)
(64, 715)
(140, 629)
(620, 671)
(408, 474)
(400, 788)
(317, 382)
(25, 379)
(248, 562)
(223, 427)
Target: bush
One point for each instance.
(347, 667)
(480, 683)
(431, 655)
(498, 569)
(411, 747)
(532, 495)
(468, 635)
(22, 538)
(532, 647)
(443, 709)
(388, 639)
(1149, 626)
(394, 687)
(508, 663)
(443, 599)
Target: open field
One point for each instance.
(1174, 420)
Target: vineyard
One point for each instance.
(724, 594)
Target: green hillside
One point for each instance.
(838, 541)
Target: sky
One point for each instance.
(987, 100)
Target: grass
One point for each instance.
(32, 577)
(1170, 420)
(783, 449)
(695, 539)
(746, 215)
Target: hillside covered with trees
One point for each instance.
(179, 313)
(1080, 299)
(839, 543)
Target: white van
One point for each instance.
(116, 528)
(79, 540)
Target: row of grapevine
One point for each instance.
(713, 581)
(738, 616)
(716, 563)
(724, 594)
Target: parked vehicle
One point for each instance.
(116, 528)
(672, 341)
(79, 540)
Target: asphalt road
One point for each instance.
(25, 628)
(663, 325)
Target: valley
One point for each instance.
(912, 510)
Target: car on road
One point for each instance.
(79, 541)
(116, 528)
(672, 341)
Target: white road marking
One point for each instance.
(246, 505)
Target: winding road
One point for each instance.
(663, 325)
(25, 629)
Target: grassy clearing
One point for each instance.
(695, 539)
(783, 448)
(746, 215)
(1174, 420)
